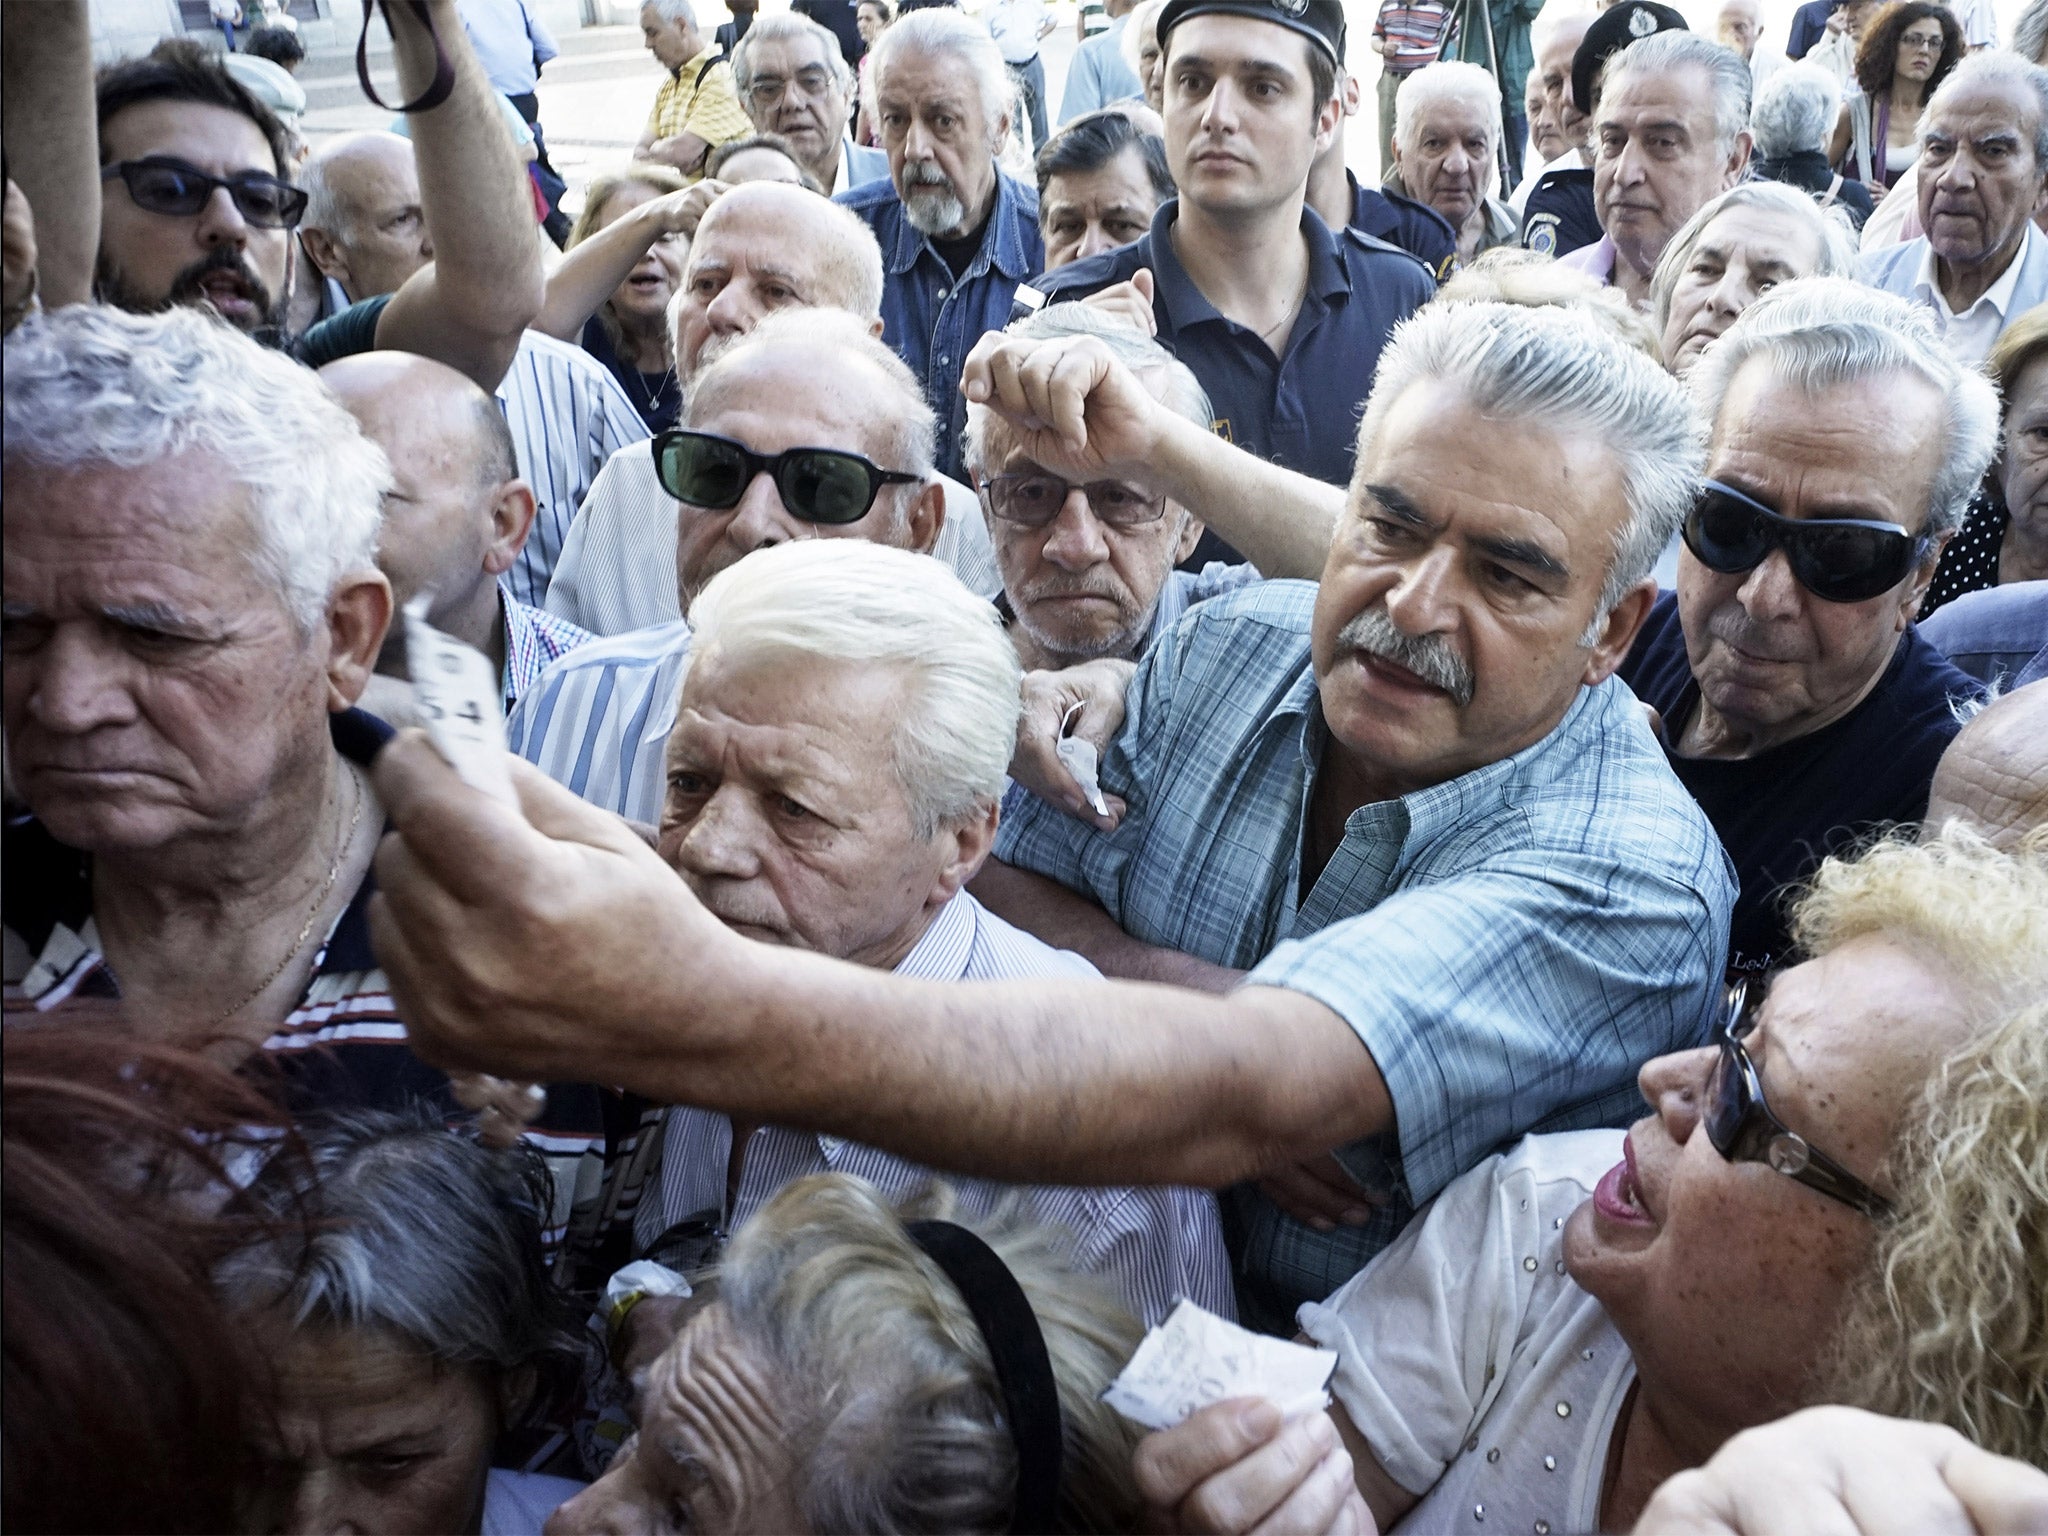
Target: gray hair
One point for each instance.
(1663, 52)
(672, 11)
(896, 1418)
(396, 1223)
(1547, 365)
(1822, 331)
(2030, 31)
(848, 600)
(1446, 80)
(1140, 353)
(787, 27)
(943, 29)
(94, 385)
(1830, 226)
(1146, 14)
(1795, 111)
(1995, 68)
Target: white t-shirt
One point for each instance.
(519, 1503)
(1480, 1374)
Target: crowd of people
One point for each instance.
(1099, 713)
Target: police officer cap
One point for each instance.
(1629, 22)
(1320, 21)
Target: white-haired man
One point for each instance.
(1558, 130)
(1447, 153)
(957, 233)
(793, 81)
(1798, 703)
(1670, 129)
(1983, 176)
(192, 609)
(1413, 796)
(696, 109)
(835, 773)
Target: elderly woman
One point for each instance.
(1907, 50)
(2004, 536)
(864, 1371)
(1550, 1342)
(1741, 244)
(1793, 114)
(408, 1328)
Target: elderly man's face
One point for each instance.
(1770, 657)
(1557, 125)
(746, 262)
(786, 814)
(796, 92)
(673, 43)
(937, 130)
(1678, 1244)
(1449, 161)
(156, 686)
(1655, 160)
(214, 257)
(1738, 26)
(1742, 253)
(1242, 121)
(382, 236)
(1980, 181)
(2024, 468)
(1083, 213)
(1463, 573)
(707, 1456)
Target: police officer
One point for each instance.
(1335, 193)
(1280, 319)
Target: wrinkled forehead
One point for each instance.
(749, 234)
(1638, 99)
(788, 55)
(184, 515)
(1985, 110)
(934, 77)
(1455, 118)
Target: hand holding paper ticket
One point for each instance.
(1195, 1358)
(1082, 761)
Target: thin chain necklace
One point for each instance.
(348, 839)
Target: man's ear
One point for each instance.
(1347, 94)
(1191, 530)
(970, 842)
(511, 521)
(1329, 121)
(926, 516)
(875, 329)
(325, 256)
(1738, 160)
(1618, 632)
(1922, 579)
(357, 615)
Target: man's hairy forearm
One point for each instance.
(1069, 921)
(1279, 520)
(53, 140)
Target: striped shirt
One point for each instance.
(1510, 946)
(598, 719)
(1158, 1243)
(534, 639)
(1418, 28)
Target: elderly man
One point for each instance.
(1791, 120)
(1447, 153)
(1088, 569)
(1558, 130)
(1799, 705)
(696, 108)
(1503, 44)
(793, 82)
(1100, 180)
(957, 234)
(457, 512)
(1670, 129)
(1983, 175)
(834, 775)
(1739, 27)
(1412, 796)
(1338, 198)
(192, 608)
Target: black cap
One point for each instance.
(1613, 30)
(1320, 21)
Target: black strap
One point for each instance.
(444, 70)
(1031, 1395)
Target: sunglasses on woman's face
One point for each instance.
(1741, 1127)
(818, 485)
(1839, 560)
(171, 187)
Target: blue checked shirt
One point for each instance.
(534, 638)
(930, 320)
(1510, 946)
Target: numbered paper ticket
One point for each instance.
(457, 692)
(1195, 1358)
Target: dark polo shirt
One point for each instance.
(1416, 227)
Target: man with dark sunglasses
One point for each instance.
(1798, 703)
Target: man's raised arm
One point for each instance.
(52, 140)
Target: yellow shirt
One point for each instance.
(699, 98)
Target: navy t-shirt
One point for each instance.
(1781, 812)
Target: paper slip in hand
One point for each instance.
(1195, 1358)
(1080, 759)
(457, 691)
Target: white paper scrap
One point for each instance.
(1081, 760)
(1195, 1358)
(457, 692)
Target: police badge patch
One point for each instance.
(1540, 234)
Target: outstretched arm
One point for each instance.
(52, 140)
(591, 272)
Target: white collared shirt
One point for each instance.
(1970, 336)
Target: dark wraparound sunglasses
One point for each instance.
(818, 485)
(1742, 1128)
(172, 187)
(1839, 560)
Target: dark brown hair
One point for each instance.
(1877, 56)
(179, 69)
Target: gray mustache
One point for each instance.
(1429, 657)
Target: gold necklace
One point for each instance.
(348, 839)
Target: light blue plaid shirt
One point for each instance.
(1511, 946)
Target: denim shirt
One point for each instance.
(930, 321)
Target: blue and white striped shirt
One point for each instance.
(1510, 946)
(598, 719)
(1158, 1243)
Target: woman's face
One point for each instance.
(2025, 469)
(868, 21)
(1726, 1279)
(643, 297)
(1743, 252)
(1919, 50)
(373, 1436)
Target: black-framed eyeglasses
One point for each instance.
(163, 185)
(1839, 560)
(1033, 498)
(818, 485)
(766, 90)
(1741, 1127)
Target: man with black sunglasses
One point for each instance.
(1798, 703)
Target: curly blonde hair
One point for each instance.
(1950, 1322)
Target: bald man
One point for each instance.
(364, 227)
(1558, 130)
(457, 516)
(1994, 775)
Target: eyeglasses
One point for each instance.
(1742, 1128)
(1839, 560)
(818, 485)
(1033, 499)
(172, 187)
(766, 90)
